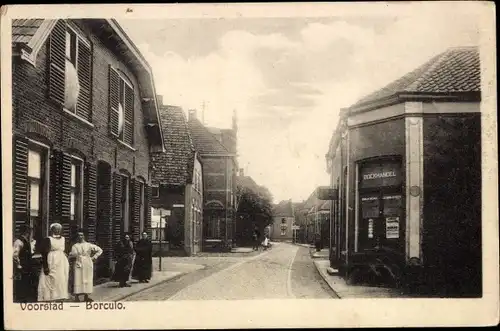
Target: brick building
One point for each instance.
(178, 184)
(84, 122)
(217, 150)
(284, 220)
(406, 161)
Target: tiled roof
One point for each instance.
(175, 165)
(456, 70)
(204, 141)
(283, 209)
(23, 30)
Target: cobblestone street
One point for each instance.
(285, 271)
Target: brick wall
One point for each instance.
(38, 117)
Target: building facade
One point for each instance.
(84, 122)
(217, 151)
(284, 220)
(406, 161)
(177, 185)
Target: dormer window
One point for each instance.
(70, 70)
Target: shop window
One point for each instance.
(76, 188)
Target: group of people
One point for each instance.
(52, 283)
(256, 240)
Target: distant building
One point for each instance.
(177, 180)
(84, 122)
(284, 220)
(217, 150)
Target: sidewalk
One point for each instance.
(344, 291)
(322, 254)
(172, 268)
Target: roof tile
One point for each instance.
(24, 29)
(204, 141)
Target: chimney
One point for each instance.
(192, 114)
(159, 100)
(242, 172)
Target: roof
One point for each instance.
(29, 35)
(175, 165)
(204, 141)
(455, 71)
(283, 209)
(24, 30)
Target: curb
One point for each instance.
(149, 287)
(326, 281)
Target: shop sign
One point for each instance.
(380, 174)
(327, 193)
(392, 227)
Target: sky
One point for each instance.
(287, 78)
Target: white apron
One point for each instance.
(54, 286)
(84, 266)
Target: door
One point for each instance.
(381, 222)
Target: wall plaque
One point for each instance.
(415, 191)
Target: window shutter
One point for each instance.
(84, 105)
(147, 210)
(135, 191)
(114, 100)
(90, 201)
(129, 116)
(57, 62)
(69, 230)
(117, 209)
(20, 174)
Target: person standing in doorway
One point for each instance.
(125, 257)
(53, 283)
(142, 270)
(85, 254)
(24, 272)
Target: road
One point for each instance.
(285, 271)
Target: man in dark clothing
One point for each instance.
(256, 237)
(25, 280)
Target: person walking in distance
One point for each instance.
(125, 257)
(85, 254)
(53, 283)
(255, 237)
(142, 270)
(24, 271)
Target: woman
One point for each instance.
(53, 283)
(143, 260)
(125, 257)
(84, 254)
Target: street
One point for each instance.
(285, 271)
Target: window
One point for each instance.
(121, 103)
(76, 187)
(125, 204)
(71, 45)
(213, 228)
(155, 191)
(37, 189)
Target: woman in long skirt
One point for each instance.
(142, 270)
(125, 258)
(53, 283)
(84, 254)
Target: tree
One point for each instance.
(254, 210)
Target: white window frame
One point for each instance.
(44, 202)
(78, 38)
(79, 215)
